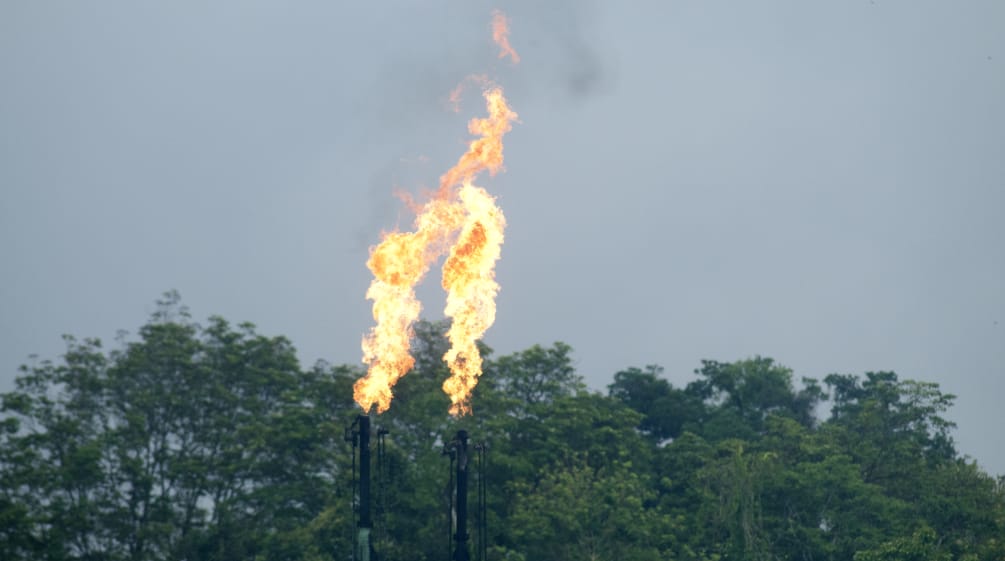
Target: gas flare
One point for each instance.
(454, 98)
(469, 280)
(463, 220)
(500, 34)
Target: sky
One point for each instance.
(820, 183)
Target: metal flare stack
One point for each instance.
(460, 470)
(368, 529)
(358, 433)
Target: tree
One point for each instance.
(538, 375)
(666, 410)
(577, 512)
(921, 546)
(892, 428)
(966, 508)
(742, 394)
(736, 480)
(814, 500)
(211, 442)
(187, 443)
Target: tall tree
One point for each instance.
(666, 410)
(189, 442)
(576, 512)
(211, 442)
(742, 394)
(894, 429)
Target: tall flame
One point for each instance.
(459, 212)
(500, 34)
(469, 280)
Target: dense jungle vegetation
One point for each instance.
(212, 442)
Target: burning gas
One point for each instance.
(500, 34)
(463, 221)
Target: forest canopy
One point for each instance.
(212, 442)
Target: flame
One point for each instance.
(454, 97)
(469, 280)
(398, 264)
(485, 152)
(500, 34)
(463, 220)
(467, 215)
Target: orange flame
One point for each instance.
(500, 34)
(454, 98)
(469, 216)
(469, 280)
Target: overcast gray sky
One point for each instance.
(822, 183)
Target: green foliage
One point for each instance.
(744, 393)
(603, 515)
(921, 546)
(188, 443)
(213, 443)
(665, 409)
(815, 502)
(893, 429)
